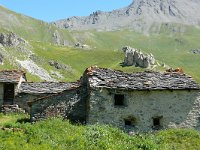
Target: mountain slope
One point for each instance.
(140, 15)
(30, 28)
(51, 51)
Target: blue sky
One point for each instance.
(51, 10)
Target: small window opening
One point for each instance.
(130, 121)
(157, 123)
(119, 100)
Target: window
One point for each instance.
(130, 121)
(127, 122)
(119, 100)
(157, 123)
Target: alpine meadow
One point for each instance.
(64, 51)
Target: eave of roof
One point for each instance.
(47, 87)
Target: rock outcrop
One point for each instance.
(82, 46)
(59, 66)
(56, 38)
(134, 57)
(1, 59)
(11, 40)
(196, 51)
(34, 69)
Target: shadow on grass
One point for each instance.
(23, 120)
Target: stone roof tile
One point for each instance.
(11, 76)
(148, 80)
(46, 87)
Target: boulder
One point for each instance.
(59, 66)
(196, 51)
(82, 46)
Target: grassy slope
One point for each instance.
(174, 50)
(171, 45)
(29, 28)
(58, 134)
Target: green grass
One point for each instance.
(11, 118)
(58, 134)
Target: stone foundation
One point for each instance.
(6, 109)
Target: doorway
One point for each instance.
(9, 93)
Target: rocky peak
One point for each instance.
(139, 15)
(166, 7)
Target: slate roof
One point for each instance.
(148, 80)
(11, 76)
(46, 87)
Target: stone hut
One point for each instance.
(142, 101)
(10, 82)
(52, 99)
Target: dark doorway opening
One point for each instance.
(9, 93)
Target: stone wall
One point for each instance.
(6, 109)
(69, 104)
(22, 99)
(177, 108)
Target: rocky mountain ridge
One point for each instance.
(140, 15)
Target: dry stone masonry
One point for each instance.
(5, 109)
(135, 102)
(143, 101)
(134, 57)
